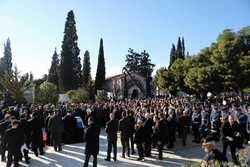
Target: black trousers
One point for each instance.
(56, 141)
(171, 136)
(140, 150)
(148, 143)
(196, 132)
(160, 148)
(125, 145)
(131, 139)
(86, 163)
(11, 157)
(232, 146)
(36, 147)
(3, 151)
(184, 135)
(110, 145)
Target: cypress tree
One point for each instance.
(179, 49)
(6, 60)
(86, 69)
(172, 55)
(100, 72)
(183, 48)
(70, 66)
(53, 71)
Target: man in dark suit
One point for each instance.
(139, 139)
(36, 125)
(131, 130)
(148, 126)
(124, 124)
(231, 132)
(4, 125)
(111, 130)
(92, 142)
(161, 130)
(13, 140)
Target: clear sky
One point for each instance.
(36, 27)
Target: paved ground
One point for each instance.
(73, 156)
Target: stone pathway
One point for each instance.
(73, 156)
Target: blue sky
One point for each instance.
(36, 27)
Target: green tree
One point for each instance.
(183, 47)
(160, 78)
(47, 93)
(100, 72)
(53, 71)
(6, 60)
(179, 49)
(172, 55)
(70, 65)
(133, 61)
(78, 96)
(146, 69)
(15, 84)
(101, 96)
(86, 70)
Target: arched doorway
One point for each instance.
(135, 94)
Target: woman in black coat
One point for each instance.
(92, 142)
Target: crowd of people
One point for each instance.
(147, 124)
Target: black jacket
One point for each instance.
(36, 125)
(111, 129)
(124, 125)
(139, 135)
(13, 140)
(148, 127)
(92, 140)
(231, 131)
(3, 127)
(161, 130)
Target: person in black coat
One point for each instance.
(231, 132)
(184, 123)
(124, 125)
(92, 142)
(161, 129)
(36, 125)
(24, 126)
(13, 141)
(4, 125)
(69, 122)
(131, 130)
(111, 130)
(171, 126)
(140, 139)
(196, 122)
(148, 126)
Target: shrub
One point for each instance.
(47, 93)
(79, 95)
(101, 96)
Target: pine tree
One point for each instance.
(86, 69)
(133, 60)
(100, 72)
(146, 69)
(172, 55)
(53, 71)
(183, 48)
(70, 66)
(6, 60)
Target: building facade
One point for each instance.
(122, 86)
